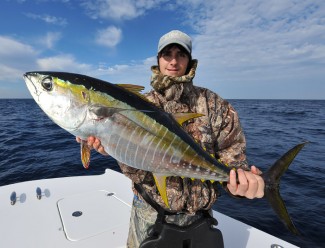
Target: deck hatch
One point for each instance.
(95, 218)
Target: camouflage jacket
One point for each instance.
(218, 131)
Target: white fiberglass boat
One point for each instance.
(90, 211)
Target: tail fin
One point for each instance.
(272, 181)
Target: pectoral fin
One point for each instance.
(102, 111)
(161, 186)
(85, 154)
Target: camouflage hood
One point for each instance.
(172, 87)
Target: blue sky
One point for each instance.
(246, 49)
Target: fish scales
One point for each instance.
(154, 133)
(151, 151)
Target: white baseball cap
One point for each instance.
(175, 36)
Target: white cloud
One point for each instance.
(64, 62)
(118, 9)
(109, 37)
(50, 39)
(16, 57)
(254, 40)
(9, 73)
(10, 47)
(120, 73)
(48, 19)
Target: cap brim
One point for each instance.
(174, 42)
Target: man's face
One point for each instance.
(173, 62)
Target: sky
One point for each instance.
(253, 49)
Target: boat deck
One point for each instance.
(90, 211)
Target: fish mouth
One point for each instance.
(27, 76)
(30, 84)
(28, 80)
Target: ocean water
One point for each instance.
(32, 147)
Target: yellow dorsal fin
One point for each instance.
(132, 87)
(182, 117)
(135, 89)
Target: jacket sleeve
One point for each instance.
(230, 142)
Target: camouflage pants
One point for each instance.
(143, 216)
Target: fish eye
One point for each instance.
(47, 83)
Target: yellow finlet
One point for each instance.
(219, 160)
(161, 186)
(183, 117)
(85, 154)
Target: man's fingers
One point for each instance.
(242, 187)
(261, 186)
(94, 143)
(249, 183)
(255, 170)
(101, 150)
(252, 185)
(90, 141)
(232, 184)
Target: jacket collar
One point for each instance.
(162, 82)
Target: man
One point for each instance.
(218, 131)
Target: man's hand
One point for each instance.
(94, 143)
(251, 184)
